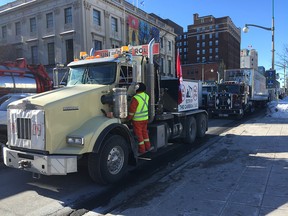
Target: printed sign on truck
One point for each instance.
(189, 96)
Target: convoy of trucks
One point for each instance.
(241, 91)
(49, 132)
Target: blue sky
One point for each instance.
(257, 12)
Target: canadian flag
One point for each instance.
(180, 78)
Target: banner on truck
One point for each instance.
(189, 96)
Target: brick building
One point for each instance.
(213, 43)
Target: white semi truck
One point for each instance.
(49, 132)
(241, 91)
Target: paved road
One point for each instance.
(20, 194)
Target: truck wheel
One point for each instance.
(109, 165)
(201, 125)
(191, 130)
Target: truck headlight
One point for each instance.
(75, 140)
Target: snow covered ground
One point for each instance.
(278, 109)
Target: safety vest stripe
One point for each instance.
(142, 109)
(144, 100)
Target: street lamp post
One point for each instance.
(272, 29)
(218, 75)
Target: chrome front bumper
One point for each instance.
(37, 163)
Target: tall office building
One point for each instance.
(213, 43)
(50, 32)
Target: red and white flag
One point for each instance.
(180, 77)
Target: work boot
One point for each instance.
(141, 149)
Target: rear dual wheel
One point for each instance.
(191, 130)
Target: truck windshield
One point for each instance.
(229, 88)
(101, 73)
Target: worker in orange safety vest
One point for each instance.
(138, 113)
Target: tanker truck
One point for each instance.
(20, 77)
(50, 132)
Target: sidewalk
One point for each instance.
(244, 174)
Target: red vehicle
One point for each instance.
(19, 77)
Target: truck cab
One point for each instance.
(232, 98)
(49, 132)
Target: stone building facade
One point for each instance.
(51, 32)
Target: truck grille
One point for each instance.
(24, 128)
(223, 101)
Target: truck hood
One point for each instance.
(51, 97)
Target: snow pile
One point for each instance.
(278, 109)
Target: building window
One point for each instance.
(49, 20)
(68, 15)
(198, 45)
(96, 17)
(51, 53)
(19, 52)
(198, 37)
(185, 50)
(216, 42)
(216, 26)
(210, 27)
(210, 36)
(198, 59)
(97, 45)
(210, 43)
(210, 58)
(161, 42)
(185, 36)
(180, 50)
(169, 45)
(34, 54)
(198, 52)
(216, 34)
(69, 50)
(216, 50)
(216, 57)
(4, 32)
(17, 28)
(169, 66)
(210, 50)
(114, 24)
(203, 52)
(203, 59)
(203, 44)
(203, 37)
(198, 29)
(185, 43)
(33, 25)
